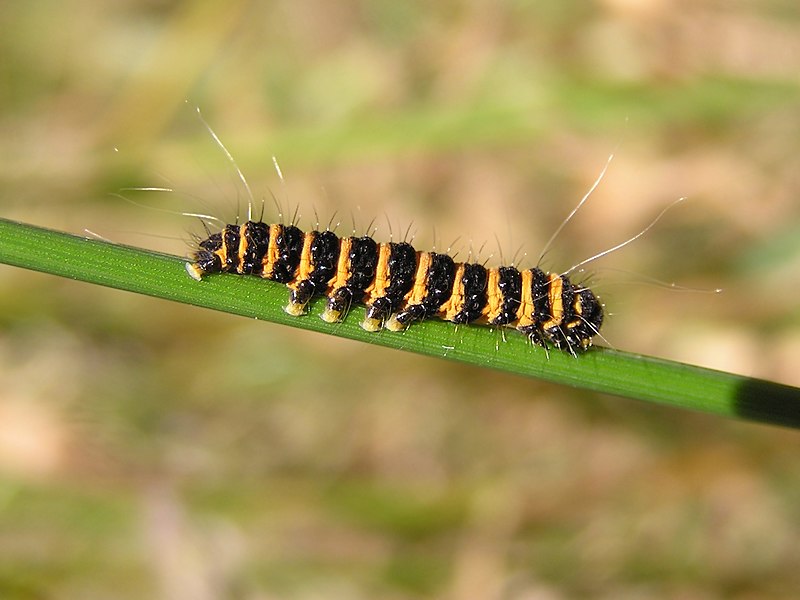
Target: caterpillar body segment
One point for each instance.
(399, 285)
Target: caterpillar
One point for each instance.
(399, 285)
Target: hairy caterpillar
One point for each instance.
(399, 285)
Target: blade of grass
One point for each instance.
(600, 369)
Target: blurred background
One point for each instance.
(152, 450)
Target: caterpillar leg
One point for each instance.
(299, 297)
(194, 271)
(338, 304)
(377, 315)
(399, 321)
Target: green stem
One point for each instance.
(599, 369)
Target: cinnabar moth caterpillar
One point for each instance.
(399, 285)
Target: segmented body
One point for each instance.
(399, 285)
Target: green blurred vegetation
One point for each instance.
(151, 450)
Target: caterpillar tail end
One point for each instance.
(194, 271)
